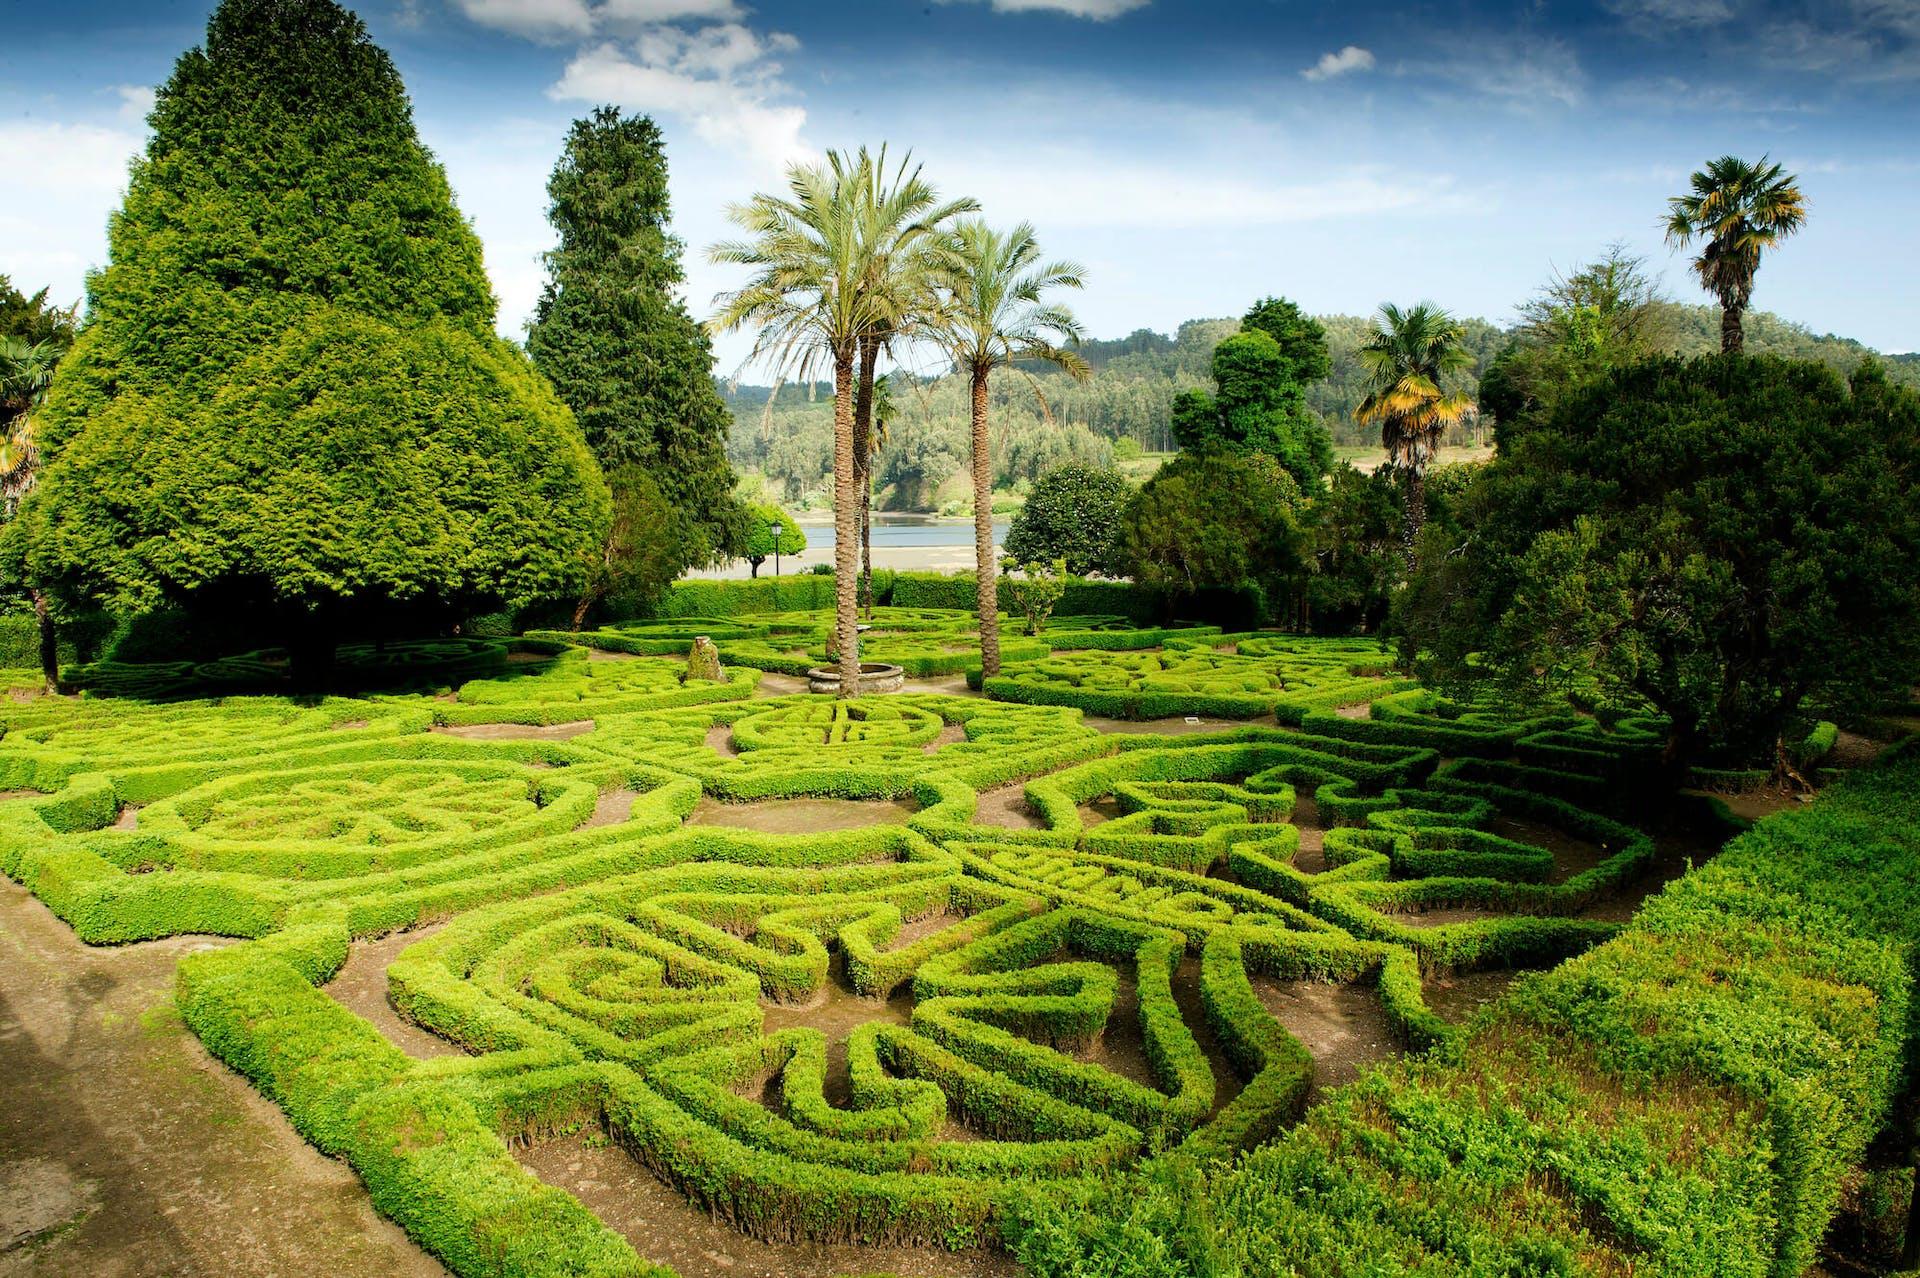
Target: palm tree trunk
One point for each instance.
(1733, 337)
(1416, 517)
(49, 640)
(846, 508)
(866, 538)
(984, 566)
(863, 459)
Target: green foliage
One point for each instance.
(643, 551)
(1073, 513)
(1215, 521)
(616, 341)
(1728, 540)
(1686, 1097)
(1258, 404)
(287, 395)
(759, 543)
(1353, 540)
(34, 318)
(1578, 328)
(350, 464)
(1301, 338)
(1036, 590)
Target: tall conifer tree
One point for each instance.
(618, 344)
(288, 399)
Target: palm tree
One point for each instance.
(26, 371)
(816, 254)
(1740, 210)
(997, 314)
(880, 412)
(1407, 357)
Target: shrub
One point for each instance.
(1072, 514)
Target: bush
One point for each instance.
(293, 406)
(1072, 514)
(1685, 1095)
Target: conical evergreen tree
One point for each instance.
(616, 341)
(288, 396)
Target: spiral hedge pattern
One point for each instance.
(610, 961)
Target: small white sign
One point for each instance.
(1193, 718)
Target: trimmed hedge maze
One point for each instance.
(1059, 949)
(924, 642)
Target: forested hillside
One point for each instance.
(1126, 404)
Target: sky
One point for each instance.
(1193, 156)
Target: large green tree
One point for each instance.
(1073, 513)
(1731, 540)
(288, 399)
(1579, 327)
(1217, 521)
(34, 337)
(1737, 211)
(616, 341)
(1258, 403)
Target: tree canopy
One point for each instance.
(616, 341)
(1730, 540)
(1258, 403)
(1216, 521)
(287, 395)
(1073, 513)
(759, 544)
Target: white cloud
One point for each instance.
(719, 80)
(79, 171)
(638, 13)
(1351, 58)
(136, 100)
(581, 19)
(1652, 17)
(1061, 191)
(535, 19)
(1525, 70)
(1094, 10)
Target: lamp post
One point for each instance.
(773, 526)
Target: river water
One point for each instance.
(917, 542)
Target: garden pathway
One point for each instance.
(127, 1151)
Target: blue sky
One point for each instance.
(1194, 156)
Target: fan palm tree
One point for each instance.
(997, 313)
(1408, 356)
(1739, 210)
(816, 254)
(26, 371)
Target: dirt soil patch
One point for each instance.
(1175, 727)
(1456, 998)
(518, 731)
(1342, 1025)
(802, 816)
(667, 1229)
(611, 808)
(779, 685)
(1312, 856)
(1571, 855)
(836, 1012)
(127, 1152)
(951, 685)
(950, 734)
(360, 986)
(1006, 807)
